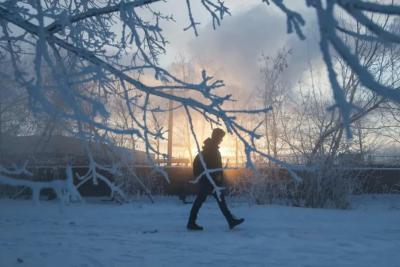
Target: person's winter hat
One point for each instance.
(217, 133)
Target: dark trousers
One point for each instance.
(201, 197)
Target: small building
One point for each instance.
(57, 150)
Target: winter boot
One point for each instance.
(193, 226)
(234, 222)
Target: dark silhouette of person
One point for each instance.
(212, 159)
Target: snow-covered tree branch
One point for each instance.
(85, 47)
(74, 58)
(64, 189)
(364, 13)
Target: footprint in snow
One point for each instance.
(150, 231)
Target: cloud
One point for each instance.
(234, 49)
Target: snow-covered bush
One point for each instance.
(325, 187)
(263, 186)
(141, 181)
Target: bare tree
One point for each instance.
(274, 93)
(51, 33)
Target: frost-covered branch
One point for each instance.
(73, 64)
(205, 87)
(216, 9)
(330, 43)
(60, 24)
(64, 189)
(95, 173)
(293, 19)
(15, 170)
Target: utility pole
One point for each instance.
(170, 130)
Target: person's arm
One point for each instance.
(213, 161)
(218, 160)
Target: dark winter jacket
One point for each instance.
(212, 158)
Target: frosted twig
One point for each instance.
(64, 189)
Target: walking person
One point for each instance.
(212, 159)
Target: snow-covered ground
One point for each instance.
(144, 234)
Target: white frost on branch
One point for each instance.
(73, 42)
(64, 189)
(94, 173)
(76, 43)
(364, 13)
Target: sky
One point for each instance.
(232, 52)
